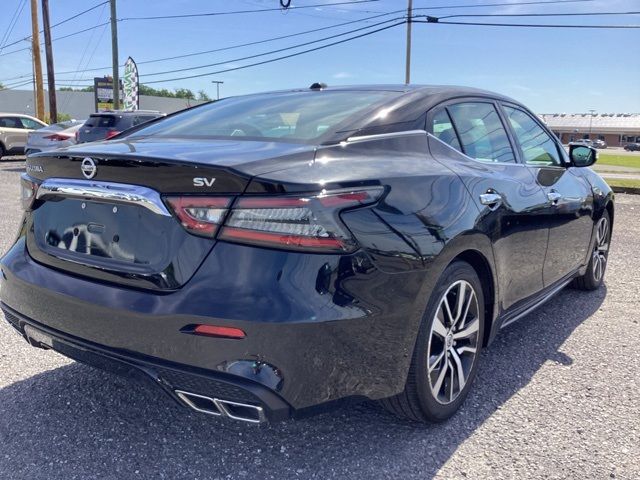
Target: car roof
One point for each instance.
(126, 112)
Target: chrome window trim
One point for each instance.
(108, 192)
(378, 136)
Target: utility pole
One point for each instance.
(592, 111)
(407, 73)
(218, 83)
(114, 57)
(51, 79)
(37, 62)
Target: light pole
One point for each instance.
(218, 83)
(592, 111)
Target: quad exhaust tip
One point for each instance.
(243, 412)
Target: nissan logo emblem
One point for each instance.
(88, 168)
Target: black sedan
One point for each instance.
(268, 256)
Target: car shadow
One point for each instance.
(78, 422)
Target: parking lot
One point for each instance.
(557, 396)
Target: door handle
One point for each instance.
(491, 199)
(554, 196)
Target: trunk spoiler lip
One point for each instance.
(110, 192)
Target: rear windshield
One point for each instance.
(56, 127)
(295, 116)
(101, 121)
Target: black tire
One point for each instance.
(2, 151)
(593, 278)
(417, 401)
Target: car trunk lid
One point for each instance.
(102, 212)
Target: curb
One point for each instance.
(631, 190)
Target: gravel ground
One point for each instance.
(557, 396)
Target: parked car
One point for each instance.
(54, 136)
(632, 147)
(599, 144)
(368, 249)
(103, 126)
(14, 128)
(583, 141)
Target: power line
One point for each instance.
(280, 58)
(435, 20)
(231, 47)
(272, 51)
(60, 38)
(237, 12)
(12, 24)
(585, 14)
(59, 23)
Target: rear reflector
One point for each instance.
(216, 331)
(111, 134)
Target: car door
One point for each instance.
(509, 199)
(569, 195)
(15, 136)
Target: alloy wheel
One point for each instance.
(453, 342)
(601, 250)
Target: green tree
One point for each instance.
(202, 96)
(184, 93)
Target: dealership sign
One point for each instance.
(103, 93)
(131, 100)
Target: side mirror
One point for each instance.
(582, 155)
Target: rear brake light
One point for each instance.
(28, 190)
(58, 137)
(200, 215)
(111, 134)
(309, 223)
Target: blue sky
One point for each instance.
(550, 70)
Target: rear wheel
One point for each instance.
(445, 357)
(594, 276)
(2, 151)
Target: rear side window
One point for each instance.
(481, 132)
(442, 128)
(138, 119)
(101, 121)
(10, 122)
(537, 146)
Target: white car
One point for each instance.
(14, 128)
(54, 136)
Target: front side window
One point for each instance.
(537, 146)
(442, 128)
(30, 124)
(481, 132)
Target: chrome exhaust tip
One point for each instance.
(199, 403)
(243, 412)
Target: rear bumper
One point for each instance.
(320, 329)
(167, 376)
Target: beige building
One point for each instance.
(617, 129)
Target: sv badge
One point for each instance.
(203, 182)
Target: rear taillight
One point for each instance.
(310, 223)
(111, 133)
(306, 223)
(200, 215)
(28, 190)
(58, 137)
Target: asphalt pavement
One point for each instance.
(557, 396)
